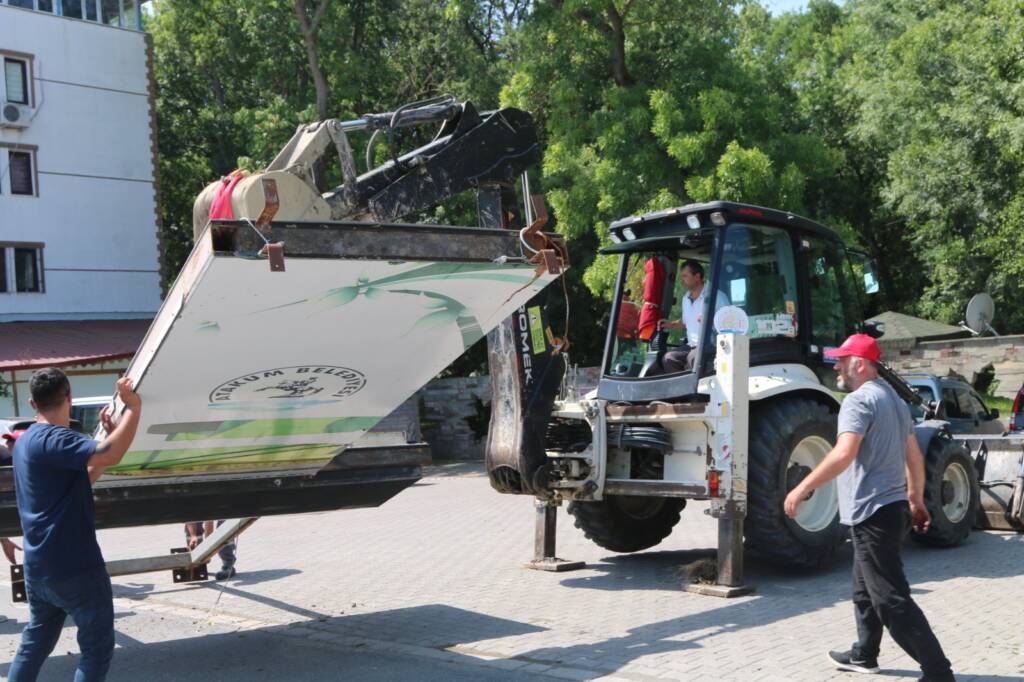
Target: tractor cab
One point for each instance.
(785, 281)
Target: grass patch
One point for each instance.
(1004, 405)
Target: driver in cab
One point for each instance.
(691, 274)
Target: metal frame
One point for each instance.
(185, 565)
(357, 477)
(726, 415)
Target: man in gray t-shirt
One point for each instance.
(880, 473)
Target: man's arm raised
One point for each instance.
(119, 438)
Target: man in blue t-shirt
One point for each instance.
(879, 470)
(54, 469)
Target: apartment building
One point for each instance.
(80, 255)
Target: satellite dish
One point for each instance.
(980, 311)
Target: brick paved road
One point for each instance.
(431, 582)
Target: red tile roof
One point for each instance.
(27, 345)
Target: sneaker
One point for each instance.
(844, 660)
(225, 573)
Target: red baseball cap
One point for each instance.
(861, 345)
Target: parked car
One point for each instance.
(86, 411)
(958, 403)
(1017, 413)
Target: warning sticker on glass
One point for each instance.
(731, 320)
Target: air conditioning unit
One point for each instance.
(14, 115)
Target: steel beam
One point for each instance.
(544, 558)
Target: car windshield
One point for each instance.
(927, 395)
(87, 415)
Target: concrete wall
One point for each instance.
(966, 357)
(455, 413)
(95, 211)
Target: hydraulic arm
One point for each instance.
(470, 150)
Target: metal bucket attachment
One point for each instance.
(999, 461)
(526, 373)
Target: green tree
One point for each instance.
(935, 87)
(653, 104)
(234, 79)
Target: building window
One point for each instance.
(110, 12)
(28, 275)
(22, 178)
(122, 13)
(21, 268)
(72, 8)
(15, 80)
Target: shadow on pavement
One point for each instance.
(781, 594)
(350, 646)
(984, 555)
(244, 578)
(272, 653)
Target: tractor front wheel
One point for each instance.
(788, 438)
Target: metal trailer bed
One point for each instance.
(262, 377)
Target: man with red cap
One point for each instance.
(879, 470)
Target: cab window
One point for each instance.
(757, 274)
(834, 303)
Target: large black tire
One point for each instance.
(951, 493)
(788, 436)
(625, 523)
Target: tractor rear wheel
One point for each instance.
(627, 523)
(788, 438)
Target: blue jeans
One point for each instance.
(88, 599)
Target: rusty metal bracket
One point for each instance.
(275, 253)
(271, 205)
(532, 235)
(550, 256)
(18, 594)
(548, 261)
(192, 574)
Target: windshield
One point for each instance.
(665, 290)
(649, 313)
(759, 276)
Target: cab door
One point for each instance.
(832, 302)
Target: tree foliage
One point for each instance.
(897, 122)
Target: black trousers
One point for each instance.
(881, 595)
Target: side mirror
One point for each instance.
(994, 413)
(874, 329)
(870, 278)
